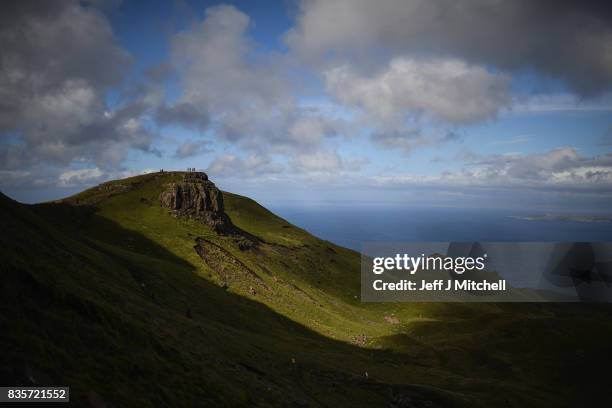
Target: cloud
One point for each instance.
(190, 148)
(252, 99)
(324, 161)
(510, 141)
(562, 102)
(253, 166)
(246, 93)
(318, 162)
(446, 89)
(568, 40)
(408, 138)
(59, 59)
(561, 169)
(71, 178)
(397, 102)
(184, 114)
(310, 129)
(562, 166)
(405, 139)
(88, 176)
(44, 176)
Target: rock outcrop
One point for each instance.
(195, 194)
(197, 197)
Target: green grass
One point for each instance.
(103, 291)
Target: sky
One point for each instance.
(479, 104)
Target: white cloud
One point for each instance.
(59, 59)
(510, 141)
(253, 166)
(72, 178)
(323, 161)
(247, 94)
(318, 162)
(561, 168)
(190, 148)
(561, 102)
(567, 40)
(89, 176)
(446, 89)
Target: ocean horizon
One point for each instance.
(351, 227)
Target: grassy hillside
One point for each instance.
(107, 292)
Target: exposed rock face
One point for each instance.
(198, 197)
(196, 194)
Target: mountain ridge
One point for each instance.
(126, 299)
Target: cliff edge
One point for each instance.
(197, 197)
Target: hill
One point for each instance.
(133, 304)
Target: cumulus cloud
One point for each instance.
(326, 162)
(58, 61)
(407, 73)
(87, 176)
(247, 95)
(408, 138)
(447, 89)
(252, 166)
(190, 148)
(184, 114)
(562, 102)
(407, 65)
(44, 176)
(395, 102)
(563, 39)
(561, 168)
(405, 139)
(320, 161)
(71, 178)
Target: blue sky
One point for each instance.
(409, 103)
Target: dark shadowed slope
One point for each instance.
(109, 293)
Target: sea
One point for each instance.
(358, 227)
(351, 227)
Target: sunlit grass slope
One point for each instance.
(105, 292)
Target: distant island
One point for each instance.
(565, 217)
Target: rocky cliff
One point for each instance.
(197, 197)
